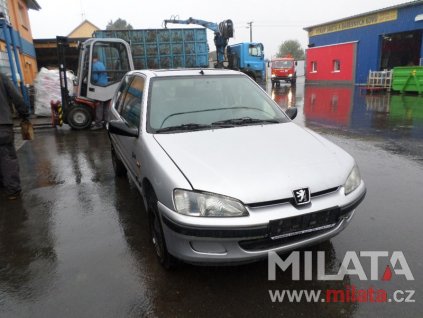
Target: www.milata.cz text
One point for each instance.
(348, 295)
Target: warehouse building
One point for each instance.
(344, 51)
(46, 49)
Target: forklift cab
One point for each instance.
(105, 59)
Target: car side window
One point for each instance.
(131, 105)
(121, 92)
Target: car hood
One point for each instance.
(257, 163)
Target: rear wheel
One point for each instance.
(156, 232)
(79, 117)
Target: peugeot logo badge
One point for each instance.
(301, 196)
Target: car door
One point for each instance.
(115, 114)
(130, 112)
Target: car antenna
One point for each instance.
(202, 72)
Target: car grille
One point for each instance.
(291, 199)
(267, 243)
(294, 229)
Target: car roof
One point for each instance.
(186, 72)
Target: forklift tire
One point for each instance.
(79, 117)
(273, 84)
(293, 82)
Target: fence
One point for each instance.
(380, 79)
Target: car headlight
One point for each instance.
(353, 180)
(290, 75)
(273, 75)
(207, 204)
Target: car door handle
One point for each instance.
(91, 89)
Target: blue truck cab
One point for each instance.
(247, 57)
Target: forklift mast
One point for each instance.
(62, 44)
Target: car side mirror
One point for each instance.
(292, 112)
(118, 127)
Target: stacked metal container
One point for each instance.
(164, 48)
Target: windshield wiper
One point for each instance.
(244, 121)
(183, 127)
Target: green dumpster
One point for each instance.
(408, 79)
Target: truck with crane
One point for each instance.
(246, 57)
(187, 47)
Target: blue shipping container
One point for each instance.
(164, 48)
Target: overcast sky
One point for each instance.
(273, 21)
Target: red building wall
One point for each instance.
(324, 58)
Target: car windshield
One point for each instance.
(282, 64)
(186, 103)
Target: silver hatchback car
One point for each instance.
(226, 176)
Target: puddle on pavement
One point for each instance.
(350, 108)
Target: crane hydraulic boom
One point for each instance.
(222, 33)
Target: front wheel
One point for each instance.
(79, 117)
(156, 233)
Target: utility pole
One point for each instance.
(251, 30)
(82, 11)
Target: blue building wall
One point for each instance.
(23, 45)
(369, 39)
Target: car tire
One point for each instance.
(118, 166)
(278, 84)
(79, 117)
(156, 233)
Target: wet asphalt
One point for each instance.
(77, 243)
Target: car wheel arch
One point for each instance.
(147, 189)
(154, 219)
